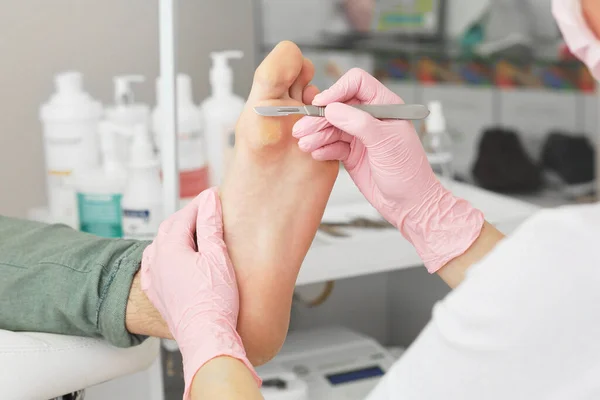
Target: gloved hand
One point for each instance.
(195, 290)
(577, 32)
(388, 164)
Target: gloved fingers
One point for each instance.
(336, 151)
(359, 85)
(355, 122)
(209, 223)
(309, 94)
(309, 125)
(180, 229)
(322, 138)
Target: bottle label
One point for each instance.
(141, 224)
(100, 214)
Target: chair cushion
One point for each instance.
(43, 365)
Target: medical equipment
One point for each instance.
(191, 156)
(126, 113)
(70, 122)
(389, 111)
(142, 201)
(437, 142)
(100, 190)
(336, 364)
(220, 112)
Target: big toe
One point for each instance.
(278, 72)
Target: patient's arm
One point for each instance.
(273, 200)
(55, 279)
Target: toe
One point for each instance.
(309, 94)
(278, 72)
(306, 75)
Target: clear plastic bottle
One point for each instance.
(221, 111)
(99, 190)
(142, 200)
(191, 152)
(437, 142)
(70, 123)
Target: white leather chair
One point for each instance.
(44, 366)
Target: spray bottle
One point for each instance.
(70, 124)
(193, 167)
(437, 142)
(221, 111)
(99, 190)
(142, 200)
(126, 113)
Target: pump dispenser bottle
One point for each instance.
(99, 190)
(70, 125)
(193, 167)
(126, 113)
(437, 142)
(221, 111)
(142, 199)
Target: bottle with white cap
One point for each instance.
(221, 111)
(126, 113)
(70, 125)
(437, 142)
(142, 200)
(193, 167)
(99, 190)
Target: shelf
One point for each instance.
(368, 252)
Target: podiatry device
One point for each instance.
(387, 111)
(335, 363)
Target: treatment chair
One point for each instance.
(49, 366)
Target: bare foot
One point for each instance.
(273, 199)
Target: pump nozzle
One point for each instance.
(221, 75)
(123, 91)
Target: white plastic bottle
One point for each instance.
(70, 125)
(100, 190)
(142, 200)
(193, 167)
(126, 113)
(437, 142)
(221, 112)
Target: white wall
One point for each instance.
(39, 38)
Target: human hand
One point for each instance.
(579, 23)
(388, 164)
(195, 290)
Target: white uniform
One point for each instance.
(524, 324)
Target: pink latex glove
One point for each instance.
(582, 42)
(195, 290)
(388, 164)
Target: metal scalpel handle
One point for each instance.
(388, 111)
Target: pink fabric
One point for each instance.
(581, 40)
(195, 290)
(388, 164)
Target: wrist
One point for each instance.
(441, 228)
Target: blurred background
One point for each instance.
(518, 113)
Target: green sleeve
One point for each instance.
(58, 280)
